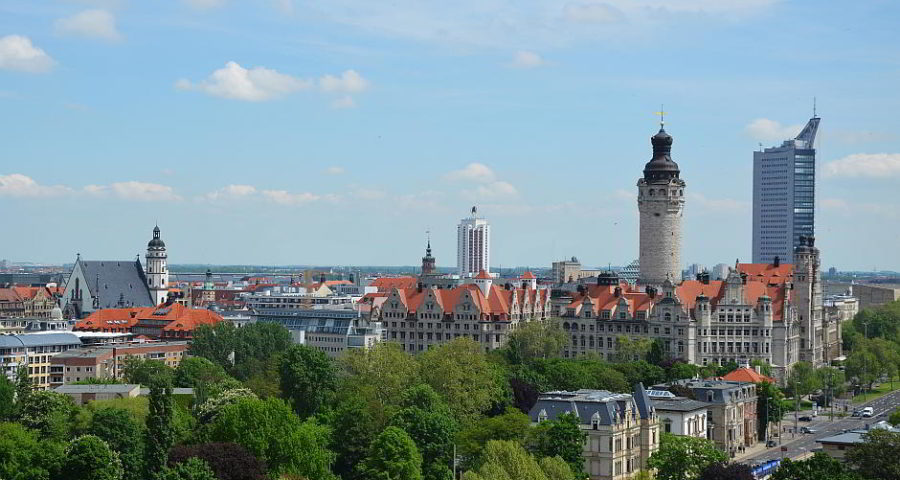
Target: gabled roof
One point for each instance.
(10, 295)
(528, 276)
(767, 272)
(386, 284)
(116, 279)
(482, 275)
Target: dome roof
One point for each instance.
(156, 242)
(661, 165)
(56, 314)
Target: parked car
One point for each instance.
(805, 418)
(868, 412)
(808, 430)
(771, 443)
(856, 413)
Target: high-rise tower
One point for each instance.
(473, 245)
(784, 192)
(428, 262)
(661, 205)
(157, 269)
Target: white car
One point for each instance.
(867, 412)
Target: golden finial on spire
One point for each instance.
(662, 116)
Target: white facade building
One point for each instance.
(473, 245)
(157, 268)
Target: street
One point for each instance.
(801, 443)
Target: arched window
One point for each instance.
(668, 317)
(651, 192)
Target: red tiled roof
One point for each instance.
(180, 318)
(482, 275)
(746, 374)
(767, 272)
(528, 276)
(499, 301)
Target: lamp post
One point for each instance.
(25, 349)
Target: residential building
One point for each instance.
(731, 413)
(473, 245)
(169, 321)
(422, 317)
(25, 301)
(869, 294)
(566, 271)
(622, 430)
(12, 305)
(297, 297)
(680, 415)
(331, 331)
(106, 361)
(661, 206)
(36, 351)
(784, 186)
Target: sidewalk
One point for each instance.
(750, 452)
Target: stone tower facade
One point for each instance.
(428, 261)
(661, 206)
(157, 268)
(808, 300)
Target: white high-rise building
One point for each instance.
(157, 268)
(473, 245)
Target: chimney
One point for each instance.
(756, 367)
(651, 291)
(777, 261)
(618, 291)
(743, 278)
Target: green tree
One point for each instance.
(118, 428)
(803, 379)
(504, 460)
(382, 373)
(392, 456)
(308, 378)
(833, 382)
(24, 387)
(208, 410)
(657, 353)
(460, 372)
(204, 376)
(680, 370)
(271, 431)
(683, 458)
(894, 419)
(357, 426)
(430, 424)
(862, 365)
(769, 406)
(49, 413)
(191, 469)
(641, 372)
(556, 468)
(534, 340)
(630, 349)
(251, 347)
(818, 467)
(145, 371)
(7, 399)
(512, 425)
(90, 458)
(22, 456)
(160, 427)
(876, 457)
(764, 367)
(561, 437)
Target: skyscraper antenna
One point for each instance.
(814, 107)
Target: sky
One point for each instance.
(339, 132)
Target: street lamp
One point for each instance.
(25, 349)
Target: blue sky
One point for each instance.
(301, 132)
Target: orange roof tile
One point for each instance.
(528, 276)
(386, 284)
(482, 275)
(746, 374)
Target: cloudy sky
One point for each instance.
(339, 131)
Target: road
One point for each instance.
(800, 443)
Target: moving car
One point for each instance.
(808, 430)
(805, 418)
(868, 412)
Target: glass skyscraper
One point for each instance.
(784, 192)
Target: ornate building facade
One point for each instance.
(157, 268)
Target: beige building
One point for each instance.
(106, 362)
(869, 294)
(35, 351)
(419, 318)
(731, 413)
(83, 394)
(622, 429)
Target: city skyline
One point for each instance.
(273, 134)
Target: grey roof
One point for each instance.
(175, 391)
(642, 400)
(609, 407)
(123, 278)
(39, 339)
(679, 404)
(98, 388)
(847, 438)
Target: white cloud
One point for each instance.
(18, 185)
(344, 102)
(473, 172)
(283, 197)
(494, 190)
(873, 165)
(525, 59)
(134, 190)
(349, 82)
(231, 192)
(253, 85)
(765, 130)
(18, 53)
(335, 170)
(204, 4)
(95, 23)
(259, 83)
(592, 12)
(284, 6)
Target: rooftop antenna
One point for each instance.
(814, 107)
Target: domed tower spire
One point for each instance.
(157, 268)
(661, 206)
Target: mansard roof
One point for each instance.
(767, 272)
(499, 300)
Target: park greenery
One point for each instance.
(264, 408)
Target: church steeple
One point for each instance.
(428, 261)
(157, 268)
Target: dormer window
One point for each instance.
(595, 421)
(542, 416)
